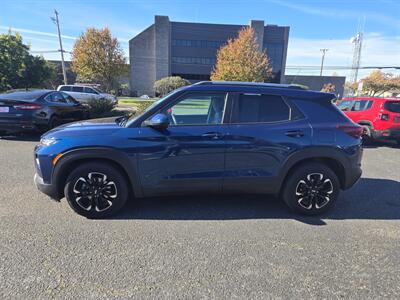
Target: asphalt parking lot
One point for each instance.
(200, 247)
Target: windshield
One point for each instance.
(135, 117)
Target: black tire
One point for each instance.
(54, 122)
(306, 183)
(96, 192)
(367, 135)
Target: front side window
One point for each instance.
(89, 90)
(260, 108)
(197, 109)
(69, 99)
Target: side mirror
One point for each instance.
(158, 121)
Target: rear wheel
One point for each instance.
(311, 189)
(54, 122)
(96, 190)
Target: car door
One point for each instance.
(77, 110)
(356, 111)
(188, 156)
(78, 94)
(264, 131)
(91, 94)
(58, 104)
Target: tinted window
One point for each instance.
(68, 98)
(55, 97)
(254, 108)
(89, 90)
(360, 105)
(65, 88)
(345, 105)
(197, 109)
(393, 106)
(77, 89)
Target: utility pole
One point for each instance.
(323, 58)
(55, 20)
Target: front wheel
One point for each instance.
(96, 190)
(311, 189)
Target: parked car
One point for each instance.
(380, 117)
(38, 110)
(210, 137)
(85, 93)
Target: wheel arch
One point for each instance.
(332, 158)
(116, 158)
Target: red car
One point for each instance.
(380, 117)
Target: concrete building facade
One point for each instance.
(189, 50)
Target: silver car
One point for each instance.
(85, 93)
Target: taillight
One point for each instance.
(27, 106)
(353, 130)
(384, 117)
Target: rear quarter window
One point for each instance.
(392, 106)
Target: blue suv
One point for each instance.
(210, 137)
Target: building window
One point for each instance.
(193, 60)
(197, 43)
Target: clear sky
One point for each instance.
(313, 24)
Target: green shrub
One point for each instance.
(100, 107)
(168, 84)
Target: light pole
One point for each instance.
(324, 50)
(55, 20)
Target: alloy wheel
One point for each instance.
(314, 191)
(95, 192)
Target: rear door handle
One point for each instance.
(294, 133)
(212, 135)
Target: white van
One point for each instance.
(84, 93)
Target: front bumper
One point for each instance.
(48, 189)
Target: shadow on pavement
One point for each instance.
(371, 199)
(21, 137)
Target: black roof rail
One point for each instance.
(252, 84)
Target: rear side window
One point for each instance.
(360, 105)
(65, 88)
(55, 98)
(260, 108)
(77, 89)
(393, 106)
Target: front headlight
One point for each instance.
(48, 141)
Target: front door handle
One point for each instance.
(212, 135)
(294, 133)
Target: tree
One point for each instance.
(328, 88)
(377, 82)
(97, 57)
(19, 69)
(241, 60)
(168, 84)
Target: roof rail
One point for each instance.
(252, 84)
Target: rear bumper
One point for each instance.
(18, 126)
(48, 189)
(391, 133)
(352, 176)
